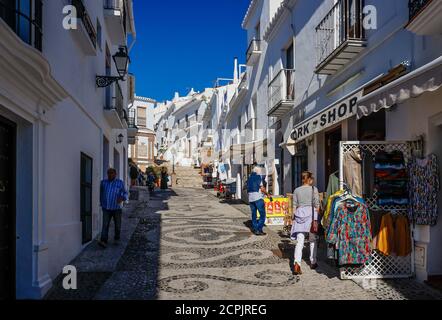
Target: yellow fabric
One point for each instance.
(386, 238)
(402, 237)
(326, 217)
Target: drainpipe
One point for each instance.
(132, 25)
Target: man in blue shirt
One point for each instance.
(256, 191)
(112, 195)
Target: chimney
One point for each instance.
(177, 96)
(235, 71)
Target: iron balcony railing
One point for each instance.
(282, 88)
(25, 19)
(117, 103)
(416, 6)
(243, 83)
(342, 23)
(131, 123)
(86, 20)
(117, 5)
(254, 46)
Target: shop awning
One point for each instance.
(425, 79)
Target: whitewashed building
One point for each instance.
(59, 131)
(348, 70)
(142, 145)
(184, 122)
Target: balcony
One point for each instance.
(281, 93)
(115, 113)
(340, 36)
(26, 22)
(253, 52)
(132, 129)
(425, 17)
(240, 91)
(115, 16)
(85, 34)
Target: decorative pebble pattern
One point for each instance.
(186, 244)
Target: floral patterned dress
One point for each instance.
(423, 187)
(350, 232)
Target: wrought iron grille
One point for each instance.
(416, 6)
(86, 20)
(343, 22)
(282, 88)
(25, 18)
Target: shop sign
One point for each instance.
(330, 116)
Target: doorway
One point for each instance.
(332, 140)
(86, 197)
(7, 209)
(299, 164)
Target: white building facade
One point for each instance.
(348, 70)
(61, 130)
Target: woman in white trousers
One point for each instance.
(306, 207)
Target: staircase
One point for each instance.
(187, 177)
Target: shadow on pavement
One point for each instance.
(124, 271)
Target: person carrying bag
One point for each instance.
(306, 208)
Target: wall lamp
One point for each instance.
(120, 138)
(121, 60)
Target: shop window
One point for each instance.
(372, 128)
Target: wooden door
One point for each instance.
(7, 209)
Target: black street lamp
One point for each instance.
(121, 60)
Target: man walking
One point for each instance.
(112, 195)
(256, 191)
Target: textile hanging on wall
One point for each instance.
(391, 178)
(423, 188)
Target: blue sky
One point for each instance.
(184, 44)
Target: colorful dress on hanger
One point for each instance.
(423, 188)
(350, 232)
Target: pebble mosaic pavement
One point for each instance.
(186, 244)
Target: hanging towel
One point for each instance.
(402, 237)
(386, 235)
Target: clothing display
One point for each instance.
(328, 209)
(385, 242)
(402, 237)
(332, 187)
(353, 170)
(368, 175)
(423, 188)
(375, 220)
(391, 178)
(394, 236)
(350, 231)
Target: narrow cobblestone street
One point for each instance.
(186, 244)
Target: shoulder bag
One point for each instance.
(315, 226)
